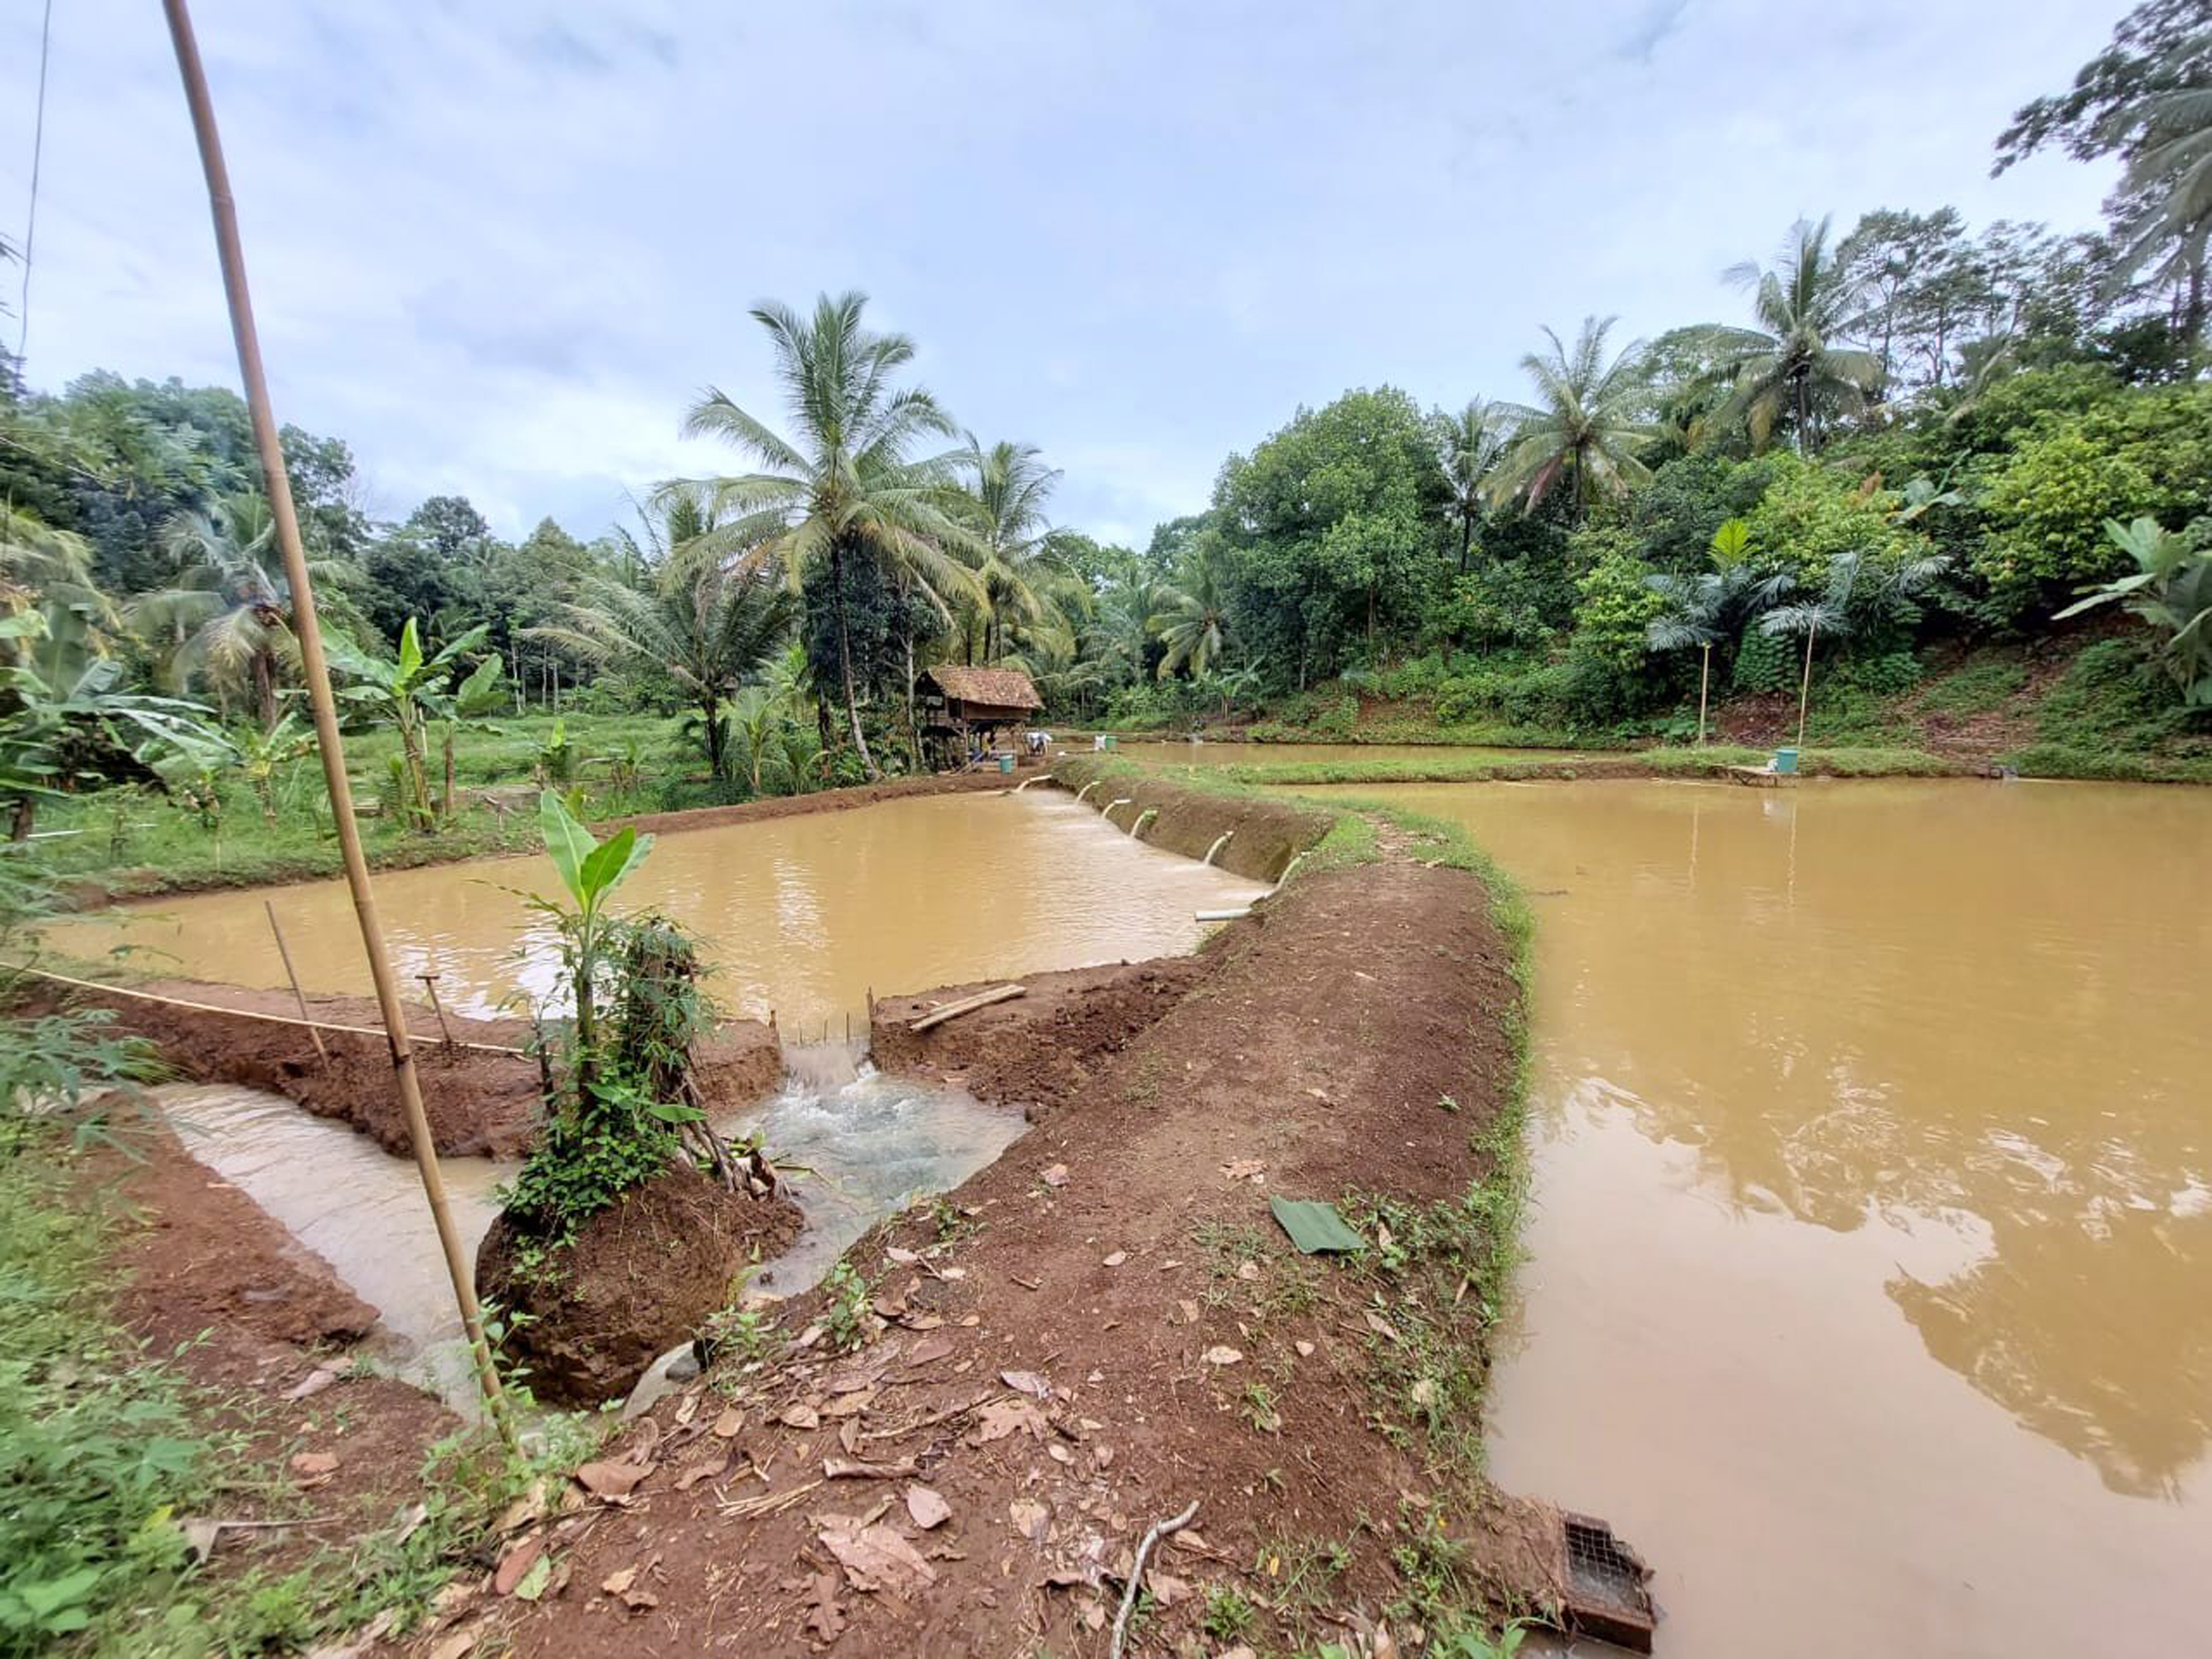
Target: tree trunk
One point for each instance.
(845, 660)
(1804, 434)
(26, 808)
(1805, 685)
(447, 811)
(264, 689)
(1466, 537)
(710, 709)
(1705, 679)
(913, 728)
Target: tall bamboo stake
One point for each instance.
(316, 671)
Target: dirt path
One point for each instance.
(1107, 1325)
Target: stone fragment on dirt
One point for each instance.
(455, 1645)
(1116, 1259)
(312, 1384)
(925, 1509)
(1188, 1310)
(1055, 1175)
(1220, 1355)
(875, 1557)
(314, 1469)
(1244, 1169)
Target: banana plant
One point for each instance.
(64, 722)
(2171, 589)
(591, 869)
(411, 689)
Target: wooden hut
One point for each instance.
(959, 707)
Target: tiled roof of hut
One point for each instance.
(993, 687)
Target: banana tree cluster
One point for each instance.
(411, 691)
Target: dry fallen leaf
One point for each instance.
(616, 1583)
(453, 1646)
(929, 1351)
(1189, 1311)
(1244, 1169)
(1028, 1382)
(876, 1558)
(612, 1480)
(900, 1255)
(928, 1509)
(515, 1566)
(1030, 1518)
(313, 1383)
(729, 1425)
(1247, 1271)
(1381, 1327)
(848, 1405)
(707, 1468)
(797, 1416)
(311, 1464)
(1003, 1417)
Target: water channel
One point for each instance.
(804, 914)
(1870, 1288)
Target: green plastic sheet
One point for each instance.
(1313, 1226)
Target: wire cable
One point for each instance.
(38, 153)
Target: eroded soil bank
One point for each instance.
(479, 1103)
(1106, 1325)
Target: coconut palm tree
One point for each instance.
(1475, 443)
(1016, 586)
(704, 624)
(1193, 620)
(1587, 426)
(227, 614)
(1794, 365)
(1852, 591)
(849, 484)
(2169, 186)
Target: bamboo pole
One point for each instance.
(223, 208)
(298, 995)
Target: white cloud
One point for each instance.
(500, 249)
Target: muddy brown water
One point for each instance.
(803, 915)
(1870, 1286)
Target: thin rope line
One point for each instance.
(38, 154)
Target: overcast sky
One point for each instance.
(499, 247)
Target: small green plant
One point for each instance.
(409, 690)
(1446, 1104)
(1258, 1408)
(845, 1316)
(1228, 1616)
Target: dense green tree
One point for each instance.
(2145, 98)
(1331, 532)
(1473, 445)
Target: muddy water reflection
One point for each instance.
(802, 914)
(1872, 1229)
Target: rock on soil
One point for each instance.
(639, 1278)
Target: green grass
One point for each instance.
(106, 1449)
(134, 842)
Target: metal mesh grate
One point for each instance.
(1600, 1571)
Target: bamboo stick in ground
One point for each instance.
(315, 670)
(298, 995)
